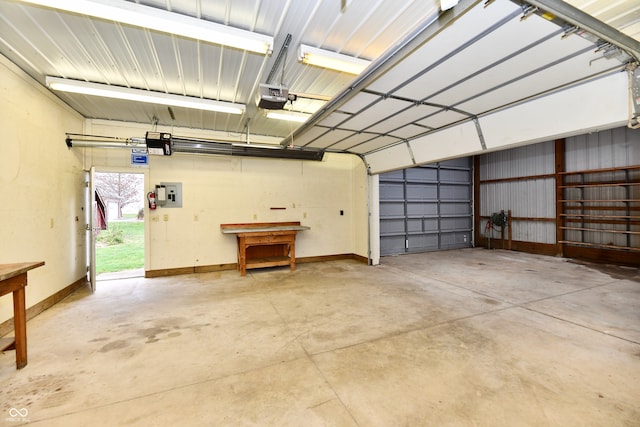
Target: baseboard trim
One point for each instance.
(234, 266)
(324, 258)
(520, 246)
(7, 326)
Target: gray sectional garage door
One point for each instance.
(426, 208)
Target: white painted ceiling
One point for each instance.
(430, 69)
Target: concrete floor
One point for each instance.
(458, 338)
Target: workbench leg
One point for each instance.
(20, 327)
(242, 256)
(292, 254)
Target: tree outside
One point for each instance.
(120, 188)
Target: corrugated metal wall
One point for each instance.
(601, 150)
(426, 208)
(597, 177)
(521, 180)
(604, 150)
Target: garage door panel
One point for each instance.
(422, 191)
(391, 209)
(422, 209)
(426, 208)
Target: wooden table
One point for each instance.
(265, 244)
(13, 278)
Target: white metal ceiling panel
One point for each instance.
(396, 157)
(409, 131)
(578, 110)
(441, 119)
(559, 75)
(310, 136)
(374, 144)
(621, 14)
(334, 119)
(552, 50)
(343, 28)
(329, 138)
(109, 50)
(358, 102)
(493, 47)
(353, 140)
(409, 115)
(383, 25)
(474, 22)
(399, 74)
(375, 113)
(453, 142)
(304, 105)
(392, 27)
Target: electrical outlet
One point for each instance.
(196, 218)
(304, 215)
(155, 218)
(255, 216)
(50, 222)
(166, 217)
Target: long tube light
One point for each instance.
(118, 92)
(164, 21)
(448, 4)
(290, 116)
(332, 60)
(90, 141)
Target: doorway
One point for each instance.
(427, 208)
(119, 216)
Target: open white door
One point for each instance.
(91, 210)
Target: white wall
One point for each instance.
(41, 183)
(222, 189)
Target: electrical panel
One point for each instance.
(173, 194)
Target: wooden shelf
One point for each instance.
(604, 170)
(625, 217)
(599, 245)
(598, 230)
(614, 217)
(601, 184)
(275, 261)
(600, 201)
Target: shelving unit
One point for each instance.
(600, 208)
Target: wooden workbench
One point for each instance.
(265, 244)
(13, 278)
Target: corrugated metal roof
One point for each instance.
(484, 58)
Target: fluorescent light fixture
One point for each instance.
(139, 95)
(164, 21)
(289, 116)
(447, 4)
(335, 61)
